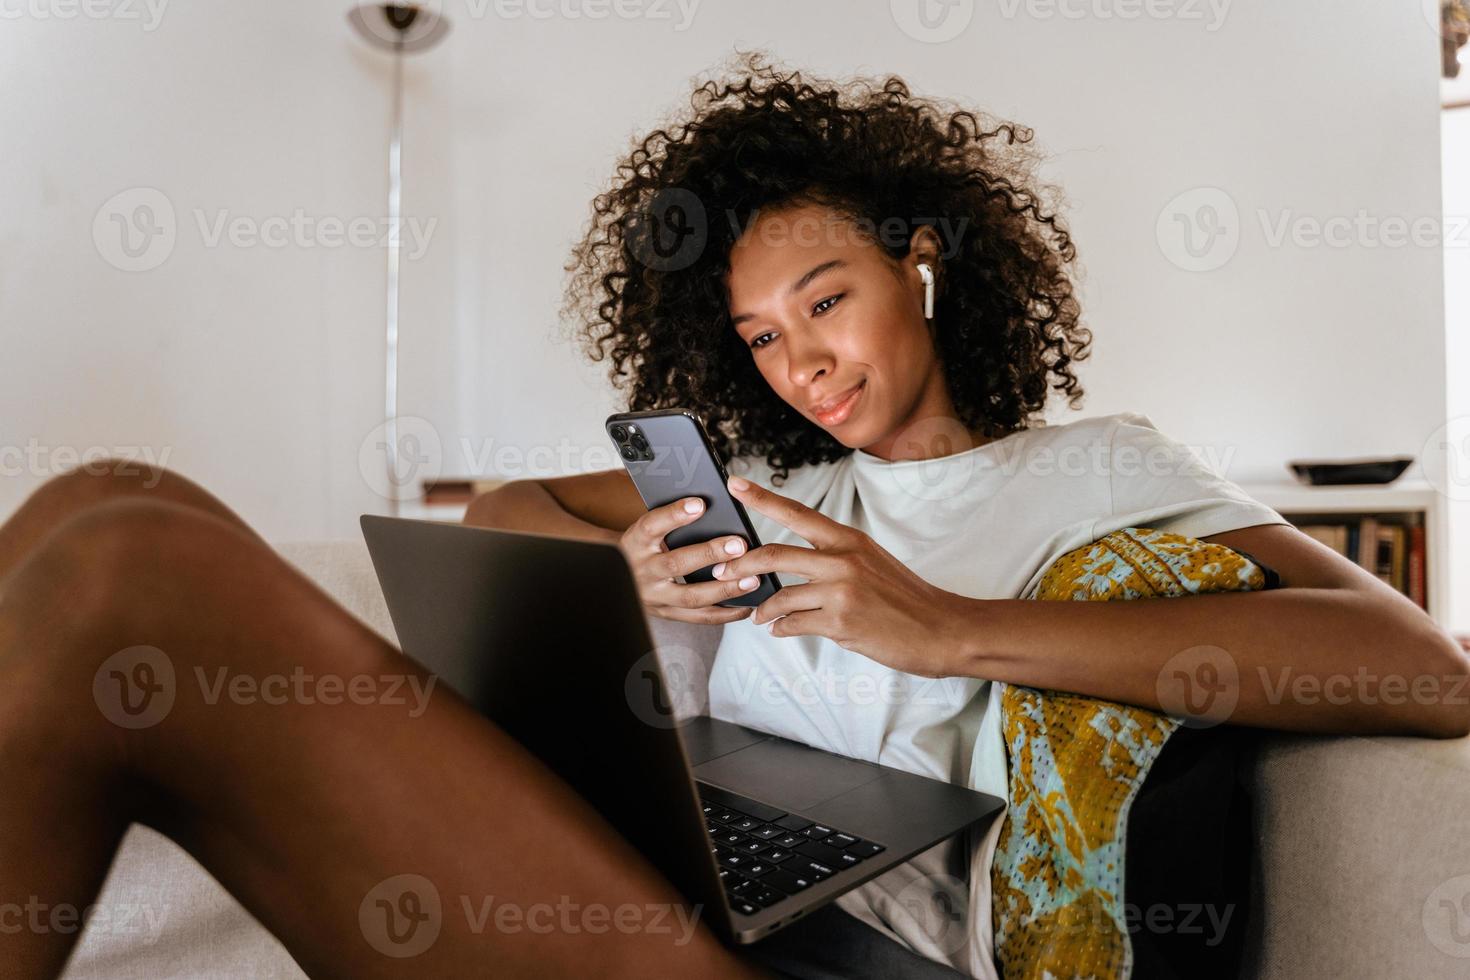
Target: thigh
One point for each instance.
(369, 818)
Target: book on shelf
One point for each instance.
(1334, 536)
(456, 491)
(1416, 563)
(1391, 540)
(1367, 555)
(1392, 547)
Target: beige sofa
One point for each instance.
(1364, 854)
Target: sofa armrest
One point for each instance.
(1364, 859)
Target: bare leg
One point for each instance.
(302, 809)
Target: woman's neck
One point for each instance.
(930, 430)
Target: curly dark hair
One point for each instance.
(648, 278)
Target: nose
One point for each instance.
(807, 359)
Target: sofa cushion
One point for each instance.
(181, 923)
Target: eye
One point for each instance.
(756, 343)
(826, 304)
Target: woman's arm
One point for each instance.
(1333, 650)
(591, 506)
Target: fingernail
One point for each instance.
(734, 546)
(694, 506)
(739, 483)
(719, 570)
(749, 582)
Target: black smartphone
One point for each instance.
(668, 455)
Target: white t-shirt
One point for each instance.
(984, 523)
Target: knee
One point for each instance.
(79, 589)
(100, 479)
(111, 578)
(97, 481)
(100, 556)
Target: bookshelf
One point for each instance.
(1401, 504)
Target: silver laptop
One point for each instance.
(546, 637)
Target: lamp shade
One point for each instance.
(403, 27)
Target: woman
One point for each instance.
(884, 414)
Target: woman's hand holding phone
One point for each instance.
(655, 567)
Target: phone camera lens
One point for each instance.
(619, 433)
(640, 443)
(628, 452)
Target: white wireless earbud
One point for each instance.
(926, 274)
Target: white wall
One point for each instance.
(260, 368)
(1322, 108)
(1456, 150)
(253, 369)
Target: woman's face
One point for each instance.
(837, 328)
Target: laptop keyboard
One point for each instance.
(766, 855)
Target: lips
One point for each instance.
(837, 408)
(832, 402)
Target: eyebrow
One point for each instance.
(799, 285)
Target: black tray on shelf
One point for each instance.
(1359, 471)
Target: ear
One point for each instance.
(921, 265)
(924, 246)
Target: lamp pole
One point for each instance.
(402, 28)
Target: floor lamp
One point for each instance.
(403, 29)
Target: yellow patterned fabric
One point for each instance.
(1076, 765)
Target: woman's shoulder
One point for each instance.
(1082, 447)
(1092, 430)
